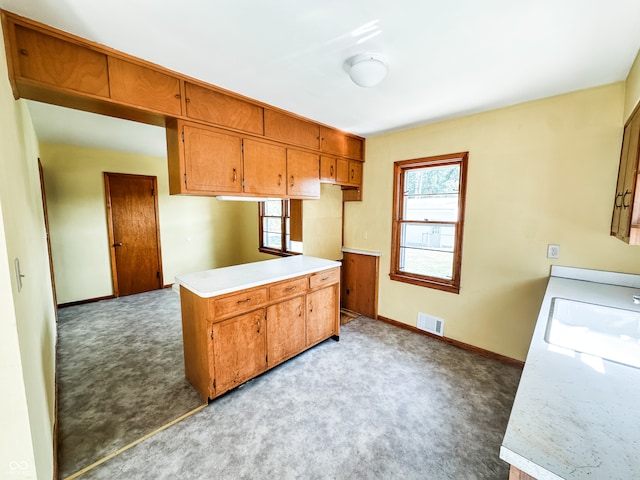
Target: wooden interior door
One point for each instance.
(134, 233)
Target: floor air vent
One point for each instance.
(430, 324)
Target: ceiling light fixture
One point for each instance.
(367, 69)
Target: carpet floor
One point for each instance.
(120, 375)
(382, 402)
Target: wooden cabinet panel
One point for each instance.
(239, 349)
(288, 288)
(327, 169)
(141, 86)
(285, 330)
(332, 141)
(625, 222)
(359, 288)
(354, 148)
(326, 277)
(292, 130)
(59, 63)
(303, 174)
(355, 173)
(212, 160)
(238, 303)
(265, 168)
(215, 107)
(517, 474)
(342, 171)
(322, 314)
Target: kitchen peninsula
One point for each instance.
(239, 321)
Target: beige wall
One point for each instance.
(632, 88)
(540, 172)
(197, 233)
(27, 317)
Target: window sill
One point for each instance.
(425, 282)
(279, 253)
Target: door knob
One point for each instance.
(117, 244)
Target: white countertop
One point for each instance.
(577, 416)
(218, 281)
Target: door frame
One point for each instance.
(112, 248)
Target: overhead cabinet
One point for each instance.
(211, 161)
(235, 144)
(625, 223)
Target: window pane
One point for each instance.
(273, 225)
(427, 249)
(273, 208)
(272, 240)
(431, 193)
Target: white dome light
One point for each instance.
(367, 69)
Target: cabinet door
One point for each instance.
(322, 314)
(141, 86)
(213, 160)
(355, 173)
(292, 130)
(285, 330)
(327, 169)
(303, 174)
(239, 351)
(265, 168)
(332, 141)
(629, 163)
(63, 64)
(342, 171)
(354, 147)
(215, 107)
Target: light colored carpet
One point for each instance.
(120, 374)
(382, 402)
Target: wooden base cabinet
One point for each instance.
(231, 338)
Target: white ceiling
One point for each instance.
(445, 58)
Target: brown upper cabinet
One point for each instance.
(215, 107)
(210, 161)
(625, 222)
(48, 59)
(303, 177)
(290, 129)
(265, 168)
(52, 66)
(144, 87)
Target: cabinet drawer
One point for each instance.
(240, 302)
(326, 277)
(289, 289)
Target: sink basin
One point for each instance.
(606, 332)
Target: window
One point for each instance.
(428, 215)
(280, 226)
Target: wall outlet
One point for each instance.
(553, 251)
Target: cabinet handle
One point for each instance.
(178, 96)
(324, 279)
(279, 179)
(353, 173)
(117, 244)
(258, 326)
(24, 52)
(624, 205)
(618, 196)
(299, 311)
(187, 100)
(311, 306)
(235, 175)
(331, 171)
(292, 180)
(244, 301)
(289, 289)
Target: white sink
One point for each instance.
(606, 332)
